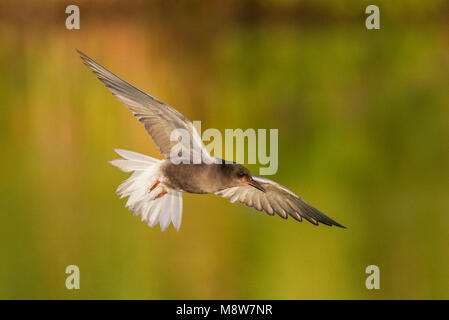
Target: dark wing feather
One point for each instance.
(276, 199)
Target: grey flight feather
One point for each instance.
(276, 199)
(158, 118)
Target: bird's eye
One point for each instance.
(241, 174)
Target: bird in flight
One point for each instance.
(155, 188)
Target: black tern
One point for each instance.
(155, 187)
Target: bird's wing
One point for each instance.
(276, 199)
(158, 118)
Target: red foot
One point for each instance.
(161, 194)
(155, 185)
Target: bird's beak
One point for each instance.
(254, 184)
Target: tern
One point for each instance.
(155, 188)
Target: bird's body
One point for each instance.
(191, 177)
(155, 188)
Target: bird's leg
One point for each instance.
(159, 188)
(154, 185)
(164, 192)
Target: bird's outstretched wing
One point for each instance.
(276, 199)
(158, 118)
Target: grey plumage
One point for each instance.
(229, 180)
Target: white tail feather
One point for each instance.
(143, 201)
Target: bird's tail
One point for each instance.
(143, 196)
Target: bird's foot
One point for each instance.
(154, 185)
(157, 190)
(164, 192)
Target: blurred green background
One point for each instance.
(363, 119)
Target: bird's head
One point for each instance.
(241, 176)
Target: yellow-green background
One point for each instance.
(363, 119)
